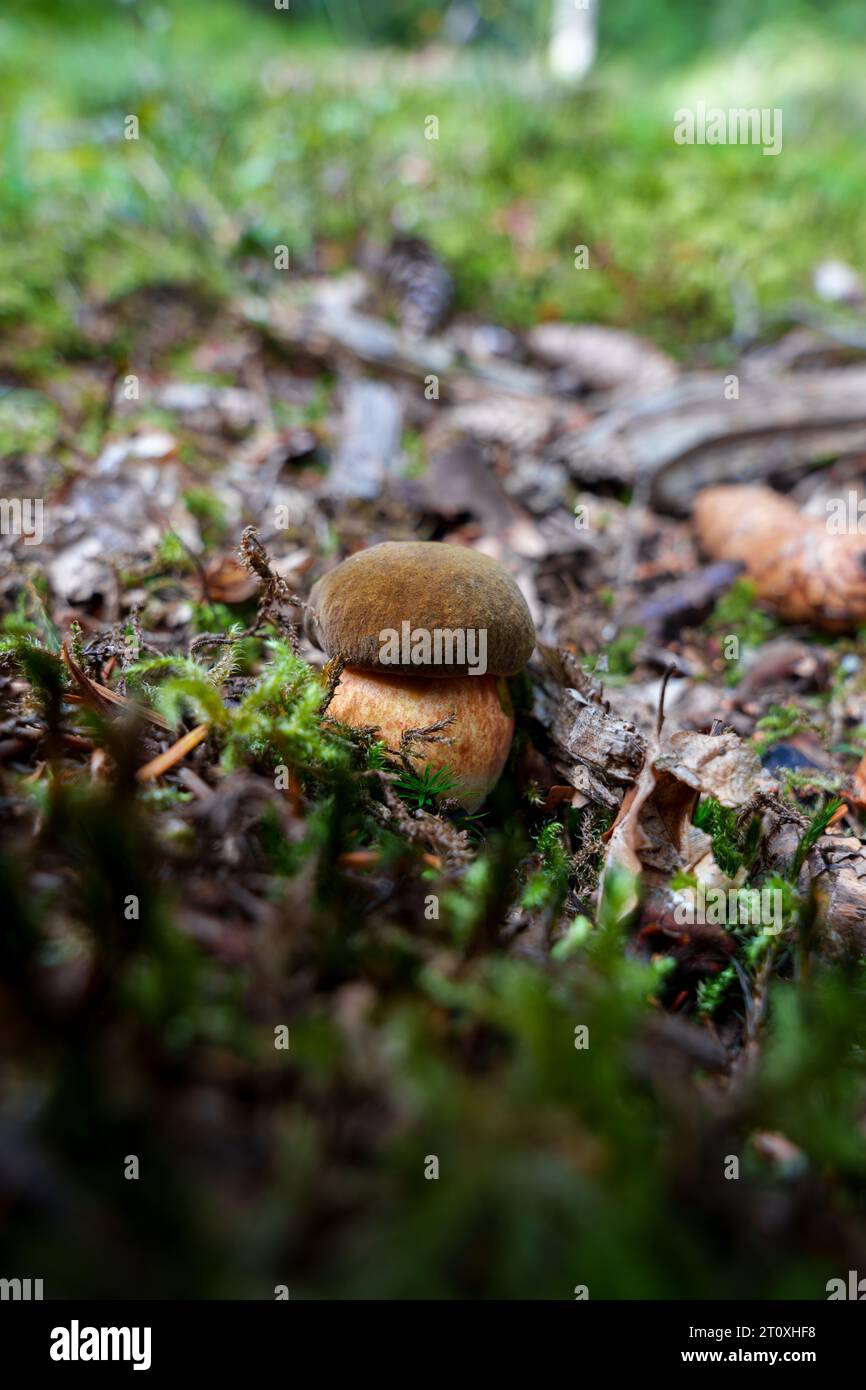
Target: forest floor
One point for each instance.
(359, 1042)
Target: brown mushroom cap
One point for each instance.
(474, 747)
(434, 588)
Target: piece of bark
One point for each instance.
(370, 440)
(326, 328)
(692, 436)
(841, 896)
(835, 870)
(801, 570)
(609, 745)
(591, 749)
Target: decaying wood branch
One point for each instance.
(695, 435)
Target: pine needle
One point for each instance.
(164, 762)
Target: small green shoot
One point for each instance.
(422, 790)
(812, 834)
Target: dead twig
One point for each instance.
(421, 827)
(106, 701)
(428, 735)
(275, 590)
(332, 673)
(672, 670)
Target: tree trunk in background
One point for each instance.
(573, 41)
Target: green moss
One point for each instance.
(546, 887)
(424, 789)
(738, 614)
(734, 843)
(673, 231)
(781, 722)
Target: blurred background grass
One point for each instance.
(262, 127)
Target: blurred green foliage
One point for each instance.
(669, 31)
(256, 131)
(474, 1125)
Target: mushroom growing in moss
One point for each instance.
(427, 630)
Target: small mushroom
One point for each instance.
(428, 631)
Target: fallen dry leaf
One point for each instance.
(652, 835)
(228, 581)
(103, 700)
(803, 571)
